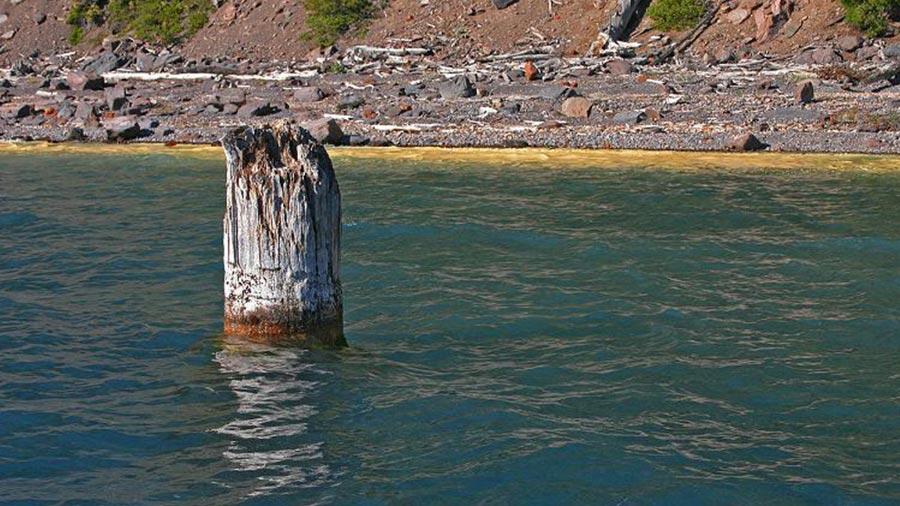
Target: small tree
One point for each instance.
(329, 19)
(676, 14)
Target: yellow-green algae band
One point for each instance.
(534, 157)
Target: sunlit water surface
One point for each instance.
(519, 335)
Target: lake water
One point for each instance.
(518, 335)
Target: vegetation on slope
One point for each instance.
(871, 16)
(164, 21)
(327, 20)
(675, 14)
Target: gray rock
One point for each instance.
(821, 56)
(66, 110)
(805, 93)
(81, 81)
(234, 96)
(121, 128)
(148, 123)
(16, 111)
(115, 98)
(308, 94)
(555, 92)
(867, 53)
(891, 51)
(106, 62)
(510, 108)
(576, 107)
(75, 134)
(256, 108)
(325, 130)
(793, 115)
(21, 68)
(85, 112)
(724, 55)
(629, 117)
(355, 140)
(459, 87)
(502, 4)
(746, 142)
(619, 67)
(849, 42)
(145, 62)
(412, 90)
(350, 102)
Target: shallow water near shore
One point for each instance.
(518, 335)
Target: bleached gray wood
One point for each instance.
(282, 236)
(622, 17)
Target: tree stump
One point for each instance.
(282, 237)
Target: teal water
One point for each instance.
(518, 335)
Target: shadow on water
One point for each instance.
(276, 386)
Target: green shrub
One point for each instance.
(676, 14)
(157, 20)
(76, 35)
(329, 19)
(871, 16)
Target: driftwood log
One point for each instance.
(282, 237)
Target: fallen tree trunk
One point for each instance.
(281, 237)
(622, 18)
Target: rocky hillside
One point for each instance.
(271, 31)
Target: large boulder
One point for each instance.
(805, 93)
(121, 128)
(891, 51)
(256, 108)
(81, 81)
(115, 98)
(746, 142)
(576, 107)
(555, 92)
(849, 42)
(16, 111)
(325, 130)
(619, 67)
(629, 117)
(458, 87)
(107, 61)
(308, 94)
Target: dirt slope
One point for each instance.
(478, 28)
(28, 35)
(252, 29)
(271, 30)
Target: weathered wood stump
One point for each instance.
(282, 237)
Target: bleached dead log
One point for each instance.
(125, 75)
(615, 31)
(415, 127)
(282, 236)
(396, 51)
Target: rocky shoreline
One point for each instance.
(403, 97)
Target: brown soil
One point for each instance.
(820, 21)
(478, 28)
(254, 30)
(49, 36)
(271, 31)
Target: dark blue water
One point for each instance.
(518, 335)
